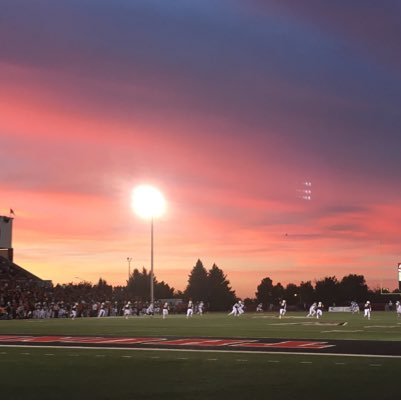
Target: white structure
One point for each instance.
(6, 229)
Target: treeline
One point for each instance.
(213, 288)
(210, 286)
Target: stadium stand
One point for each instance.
(11, 273)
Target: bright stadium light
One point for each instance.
(148, 202)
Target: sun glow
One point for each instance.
(148, 202)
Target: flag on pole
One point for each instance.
(12, 212)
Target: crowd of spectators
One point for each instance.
(28, 300)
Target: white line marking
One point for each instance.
(381, 327)
(212, 359)
(49, 354)
(305, 362)
(375, 364)
(155, 357)
(273, 361)
(182, 358)
(203, 350)
(126, 356)
(25, 353)
(242, 360)
(340, 363)
(3, 353)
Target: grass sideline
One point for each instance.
(70, 373)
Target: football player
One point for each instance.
(283, 308)
(367, 310)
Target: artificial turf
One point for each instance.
(72, 373)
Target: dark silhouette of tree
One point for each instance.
(353, 288)
(264, 292)
(278, 293)
(306, 293)
(250, 303)
(103, 290)
(179, 294)
(197, 288)
(163, 290)
(138, 286)
(221, 296)
(291, 294)
(327, 290)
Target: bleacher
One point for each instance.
(11, 273)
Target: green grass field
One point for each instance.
(76, 373)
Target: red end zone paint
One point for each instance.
(183, 342)
(288, 344)
(201, 342)
(79, 340)
(108, 340)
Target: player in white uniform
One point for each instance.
(234, 311)
(127, 310)
(165, 310)
(190, 309)
(259, 308)
(102, 311)
(74, 310)
(354, 307)
(283, 308)
(319, 310)
(398, 308)
(94, 309)
(150, 310)
(240, 307)
(312, 310)
(200, 308)
(367, 310)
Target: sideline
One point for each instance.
(200, 350)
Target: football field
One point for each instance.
(215, 356)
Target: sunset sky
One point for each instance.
(228, 107)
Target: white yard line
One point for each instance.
(202, 350)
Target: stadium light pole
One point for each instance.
(129, 267)
(148, 202)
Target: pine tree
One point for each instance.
(197, 288)
(139, 285)
(221, 296)
(264, 292)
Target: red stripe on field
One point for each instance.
(128, 340)
(16, 338)
(287, 344)
(201, 342)
(68, 339)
